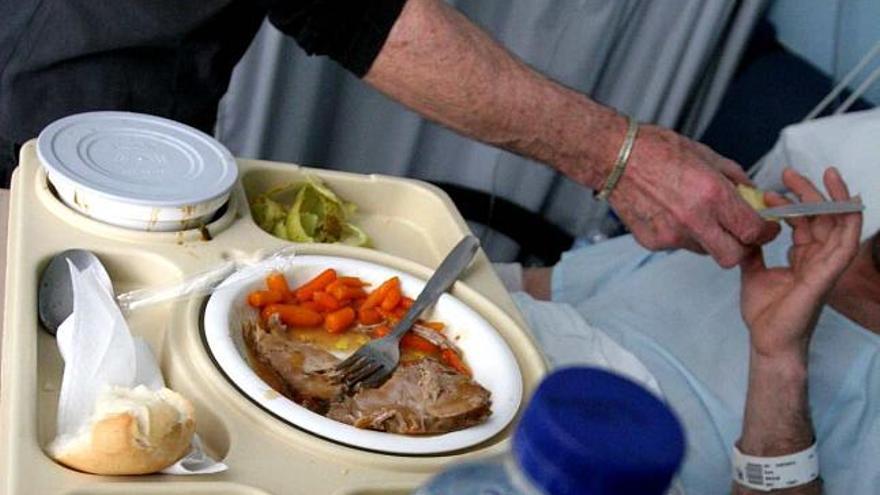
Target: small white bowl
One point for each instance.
(137, 171)
(492, 362)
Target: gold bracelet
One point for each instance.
(632, 130)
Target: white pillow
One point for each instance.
(851, 142)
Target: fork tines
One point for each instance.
(356, 368)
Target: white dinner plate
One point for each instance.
(492, 362)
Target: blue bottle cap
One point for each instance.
(591, 432)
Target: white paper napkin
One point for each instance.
(100, 351)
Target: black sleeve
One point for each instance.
(351, 32)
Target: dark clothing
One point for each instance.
(8, 160)
(172, 58)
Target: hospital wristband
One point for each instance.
(629, 140)
(766, 474)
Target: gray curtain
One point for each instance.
(663, 61)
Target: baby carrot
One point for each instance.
(433, 325)
(381, 331)
(416, 343)
(325, 301)
(369, 316)
(406, 302)
(317, 308)
(392, 298)
(325, 278)
(255, 299)
(388, 315)
(345, 292)
(351, 281)
(376, 297)
(333, 285)
(357, 293)
(276, 282)
(454, 361)
(260, 298)
(295, 316)
(339, 321)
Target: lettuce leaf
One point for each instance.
(316, 214)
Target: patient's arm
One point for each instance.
(536, 281)
(780, 307)
(777, 416)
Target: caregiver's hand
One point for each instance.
(679, 193)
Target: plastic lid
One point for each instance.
(137, 159)
(590, 432)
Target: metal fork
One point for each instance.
(376, 360)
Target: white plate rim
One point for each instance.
(224, 352)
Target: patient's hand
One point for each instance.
(780, 305)
(536, 281)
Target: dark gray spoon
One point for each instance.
(55, 293)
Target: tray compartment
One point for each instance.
(222, 219)
(404, 222)
(128, 270)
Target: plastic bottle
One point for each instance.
(585, 432)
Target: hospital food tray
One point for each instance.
(413, 225)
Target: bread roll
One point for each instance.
(132, 431)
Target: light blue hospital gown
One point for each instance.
(679, 314)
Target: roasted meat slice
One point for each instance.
(420, 397)
(300, 366)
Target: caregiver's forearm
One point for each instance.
(438, 63)
(674, 192)
(777, 416)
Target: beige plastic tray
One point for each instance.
(413, 225)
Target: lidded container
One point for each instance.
(585, 432)
(137, 171)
